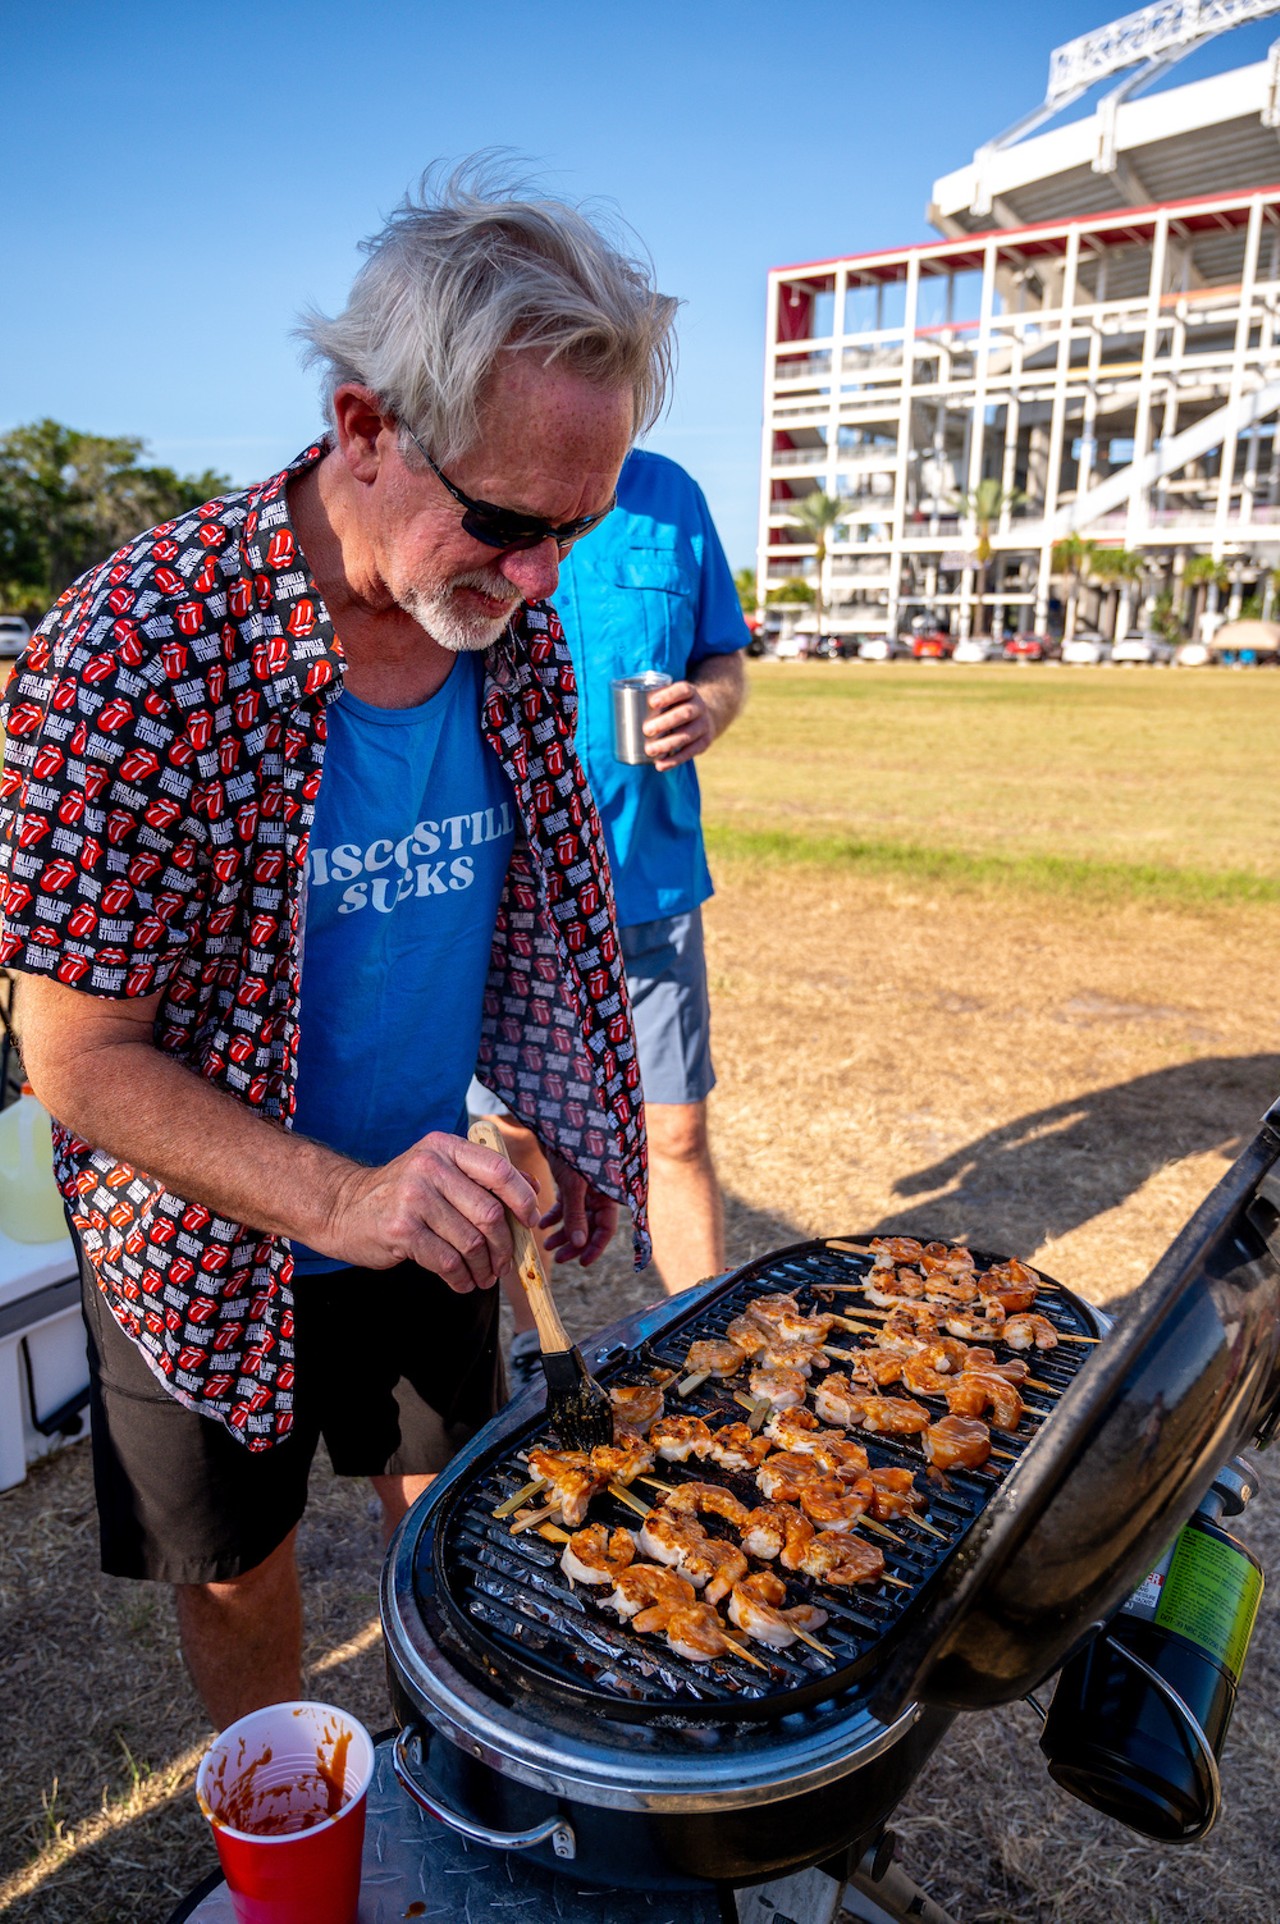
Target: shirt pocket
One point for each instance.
(652, 610)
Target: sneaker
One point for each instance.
(524, 1366)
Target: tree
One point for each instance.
(68, 500)
(795, 590)
(1072, 557)
(744, 581)
(1117, 568)
(818, 514)
(1202, 573)
(984, 506)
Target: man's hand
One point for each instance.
(586, 1219)
(680, 726)
(441, 1205)
(689, 715)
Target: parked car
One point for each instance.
(15, 633)
(977, 648)
(835, 647)
(883, 648)
(934, 645)
(1193, 654)
(1032, 647)
(1144, 650)
(1086, 650)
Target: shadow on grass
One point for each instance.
(1042, 1176)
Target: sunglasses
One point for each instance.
(503, 527)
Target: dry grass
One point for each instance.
(1044, 1075)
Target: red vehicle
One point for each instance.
(933, 645)
(1029, 647)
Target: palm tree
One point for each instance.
(983, 506)
(1201, 574)
(1117, 568)
(1073, 557)
(818, 514)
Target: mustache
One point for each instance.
(488, 581)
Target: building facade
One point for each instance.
(1108, 370)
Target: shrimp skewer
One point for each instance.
(757, 1607)
(715, 1356)
(696, 1632)
(637, 1405)
(597, 1554)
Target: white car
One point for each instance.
(882, 648)
(978, 648)
(14, 634)
(1142, 650)
(1193, 654)
(1086, 650)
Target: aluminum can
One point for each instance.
(631, 696)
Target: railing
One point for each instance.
(802, 366)
(798, 458)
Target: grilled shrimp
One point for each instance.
(677, 1438)
(697, 1633)
(756, 1608)
(978, 1322)
(573, 1481)
(1012, 1283)
(803, 1329)
(922, 1379)
(597, 1554)
(891, 1416)
(784, 1426)
(896, 1249)
(715, 1564)
(785, 1477)
(645, 1584)
(957, 1443)
(748, 1334)
(944, 1287)
(835, 1505)
(780, 1388)
(895, 1494)
(767, 1309)
(735, 1447)
(835, 1399)
(887, 1287)
(1015, 1369)
(834, 1452)
(878, 1367)
(688, 1499)
(668, 1538)
(716, 1356)
(1020, 1332)
(831, 1556)
(637, 1405)
(626, 1458)
(946, 1259)
(764, 1531)
(974, 1391)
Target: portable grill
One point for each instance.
(533, 1719)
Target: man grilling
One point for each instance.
(333, 706)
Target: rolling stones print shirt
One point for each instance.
(165, 742)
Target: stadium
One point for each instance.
(1093, 342)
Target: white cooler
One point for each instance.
(44, 1372)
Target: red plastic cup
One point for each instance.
(284, 1789)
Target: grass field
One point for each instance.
(1105, 781)
(988, 961)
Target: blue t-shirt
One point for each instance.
(406, 864)
(649, 588)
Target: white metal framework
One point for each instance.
(1117, 374)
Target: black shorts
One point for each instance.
(394, 1370)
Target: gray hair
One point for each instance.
(466, 267)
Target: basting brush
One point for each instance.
(578, 1407)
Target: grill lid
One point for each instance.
(1188, 1376)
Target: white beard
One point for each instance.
(435, 611)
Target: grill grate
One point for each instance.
(511, 1607)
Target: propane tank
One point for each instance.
(1139, 1717)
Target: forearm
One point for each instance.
(125, 1097)
(722, 683)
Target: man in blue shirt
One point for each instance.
(651, 589)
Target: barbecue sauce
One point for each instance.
(1112, 1738)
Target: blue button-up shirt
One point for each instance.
(650, 588)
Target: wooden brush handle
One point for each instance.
(552, 1334)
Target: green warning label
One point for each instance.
(1211, 1597)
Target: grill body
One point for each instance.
(662, 1779)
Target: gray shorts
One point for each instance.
(667, 977)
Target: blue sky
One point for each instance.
(176, 181)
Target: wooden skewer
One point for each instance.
(897, 1582)
(932, 1528)
(1034, 1383)
(1064, 1337)
(514, 1502)
(633, 1502)
(533, 1518)
(812, 1642)
(882, 1530)
(666, 1488)
(738, 1651)
(552, 1533)
(850, 1249)
(692, 1382)
(1004, 1456)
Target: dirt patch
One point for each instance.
(888, 1059)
